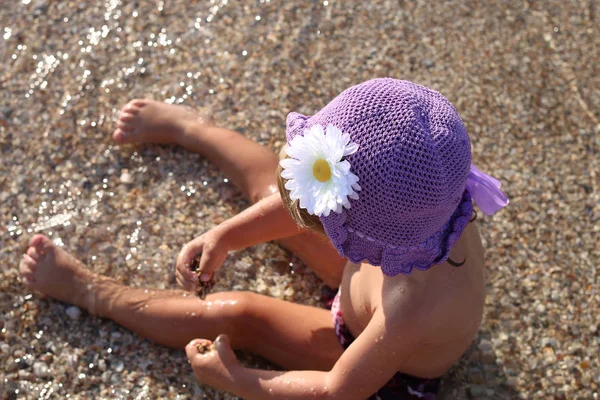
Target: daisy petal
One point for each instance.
(350, 149)
(319, 197)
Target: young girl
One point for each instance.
(379, 185)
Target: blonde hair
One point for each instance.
(300, 215)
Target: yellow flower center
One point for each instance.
(321, 170)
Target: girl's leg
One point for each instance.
(265, 326)
(249, 166)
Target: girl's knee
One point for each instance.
(261, 191)
(235, 309)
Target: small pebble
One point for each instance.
(540, 308)
(118, 365)
(126, 177)
(548, 341)
(24, 375)
(477, 391)
(12, 365)
(485, 346)
(73, 360)
(40, 369)
(73, 312)
(115, 335)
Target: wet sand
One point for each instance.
(523, 76)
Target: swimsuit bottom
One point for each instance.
(401, 386)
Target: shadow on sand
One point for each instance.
(480, 375)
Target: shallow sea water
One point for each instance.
(521, 76)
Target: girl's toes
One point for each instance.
(27, 281)
(42, 244)
(32, 252)
(125, 127)
(126, 117)
(27, 268)
(118, 135)
(28, 262)
(130, 108)
(122, 136)
(133, 107)
(136, 104)
(37, 240)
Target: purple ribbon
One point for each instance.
(485, 190)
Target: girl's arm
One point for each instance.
(366, 366)
(262, 222)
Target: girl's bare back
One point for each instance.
(445, 301)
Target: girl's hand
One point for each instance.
(217, 367)
(211, 249)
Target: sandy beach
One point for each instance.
(524, 76)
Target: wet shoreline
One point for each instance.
(522, 77)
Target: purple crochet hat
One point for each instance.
(413, 161)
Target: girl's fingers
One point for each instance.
(187, 254)
(185, 272)
(192, 276)
(182, 282)
(191, 349)
(222, 341)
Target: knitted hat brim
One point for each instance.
(395, 260)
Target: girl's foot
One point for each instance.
(55, 273)
(149, 121)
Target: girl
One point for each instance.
(375, 195)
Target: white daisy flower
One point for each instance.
(316, 173)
